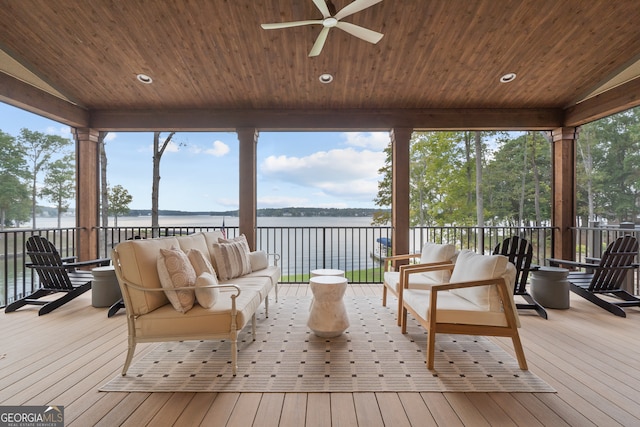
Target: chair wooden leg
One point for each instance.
(384, 295)
(400, 307)
(517, 347)
(402, 314)
(24, 301)
(431, 348)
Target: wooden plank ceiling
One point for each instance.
(213, 66)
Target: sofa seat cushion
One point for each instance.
(452, 309)
(416, 281)
(164, 323)
(263, 285)
(272, 272)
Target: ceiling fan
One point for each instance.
(331, 19)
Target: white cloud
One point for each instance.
(340, 172)
(219, 149)
(376, 141)
(63, 131)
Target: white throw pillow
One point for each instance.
(232, 260)
(206, 297)
(258, 260)
(471, 266)
(175, 271)
(436, 252)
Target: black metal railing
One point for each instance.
(359, 251)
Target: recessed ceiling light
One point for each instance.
(509, 77)
(143, 78)
(325, 78)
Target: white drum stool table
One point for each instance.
(550, 288)
(328, 317)
(327, 272)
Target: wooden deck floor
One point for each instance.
(589, 356)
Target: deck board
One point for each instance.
(587, 354)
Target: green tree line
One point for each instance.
(504, 178)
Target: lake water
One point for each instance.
(304, 243)
(213, 221)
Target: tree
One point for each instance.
(13, 190)
(119, 200)
(158, 151)
(38, 148)
(383, 198)
(60, 183)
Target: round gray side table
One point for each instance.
(550, 288)
(105, 290)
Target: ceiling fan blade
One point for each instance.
(354, 7)
(322, 7)
(319, 44)
(278, 25)
(360, 32)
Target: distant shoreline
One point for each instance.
(266, 212)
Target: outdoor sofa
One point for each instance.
(217, 307)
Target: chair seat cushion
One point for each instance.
(416, 281)
(452, 309)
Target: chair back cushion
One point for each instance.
(435, 252)
(470, 267)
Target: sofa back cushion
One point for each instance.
(193, 241)
(139, 266)
(211, 237)
(471, 266)
(435, 252)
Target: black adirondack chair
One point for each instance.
(56, 275)
(606, 276)
(520, 253)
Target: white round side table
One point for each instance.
(328, 317)
(327, 272)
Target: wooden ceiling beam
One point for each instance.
(618, 99)
(22, 95)
(336, 119)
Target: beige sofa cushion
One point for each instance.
(471, 266)
(193, 241)
(175, 271)
(138, 259)
(198, 322)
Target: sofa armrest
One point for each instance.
(276, 258)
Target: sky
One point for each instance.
(199, 170)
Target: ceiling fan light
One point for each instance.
(508, 78)
(325, 78)
(143, 78)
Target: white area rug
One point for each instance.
(371, 356)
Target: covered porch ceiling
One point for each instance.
(213, 67)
